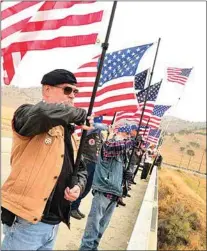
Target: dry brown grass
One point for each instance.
(172, 154)
(189, 191)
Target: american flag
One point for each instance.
(140, 80)
(144, 131)
(116, 86)
(149, 106)
(158, 113)
(178, 75)
(35, 25)
(153, 136)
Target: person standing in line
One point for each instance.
(91, 150)
(150, 154)
(107, 188)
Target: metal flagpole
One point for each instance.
(112, 122)
(100, 65)
(146, 125)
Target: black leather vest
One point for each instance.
(92, 146)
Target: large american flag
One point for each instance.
(116, 86)
(178, 75)
(140, 80)
(149, 106)
(157, 114)
(35, 25)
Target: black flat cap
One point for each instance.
(57, 77)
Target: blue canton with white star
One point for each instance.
(140, 80)
(159, 110)
(185, 72)
(152, 94)
(125, 128)
(122, 63)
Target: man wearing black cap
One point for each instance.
(37, 195)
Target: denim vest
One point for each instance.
(108, 175)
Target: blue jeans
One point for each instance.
(23, 235)
(90, 169)
(99, 217)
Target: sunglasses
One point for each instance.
(68, 90)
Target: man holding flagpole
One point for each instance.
(37, 195)
(107, 186)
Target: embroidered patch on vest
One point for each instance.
(91, 142)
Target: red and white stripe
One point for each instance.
(137, 115)
(115, 95)
(29, 26)
(151, 139)
(154, 122)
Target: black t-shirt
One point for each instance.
(57, 207)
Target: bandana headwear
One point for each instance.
(124, 128)
(134, 127)
(98, 119)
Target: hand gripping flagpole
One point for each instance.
(142, 114)
(100, 65)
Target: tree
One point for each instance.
(191, 153)
(182, 149)
(194, 144)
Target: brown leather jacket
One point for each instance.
(37, 158)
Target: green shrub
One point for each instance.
(194, 144)
(182, 132)
(174, 231)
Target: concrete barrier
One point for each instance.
(144, 235)
(6, 144)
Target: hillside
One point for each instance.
(174, 124)
(12, 97)
(177, 147)
(182, 211)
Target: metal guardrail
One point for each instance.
(184, 169)
(144, 234)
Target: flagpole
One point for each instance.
(112, 122)
(146, 125)
(142, 114)
(100, 65)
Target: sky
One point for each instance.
(182, 29)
